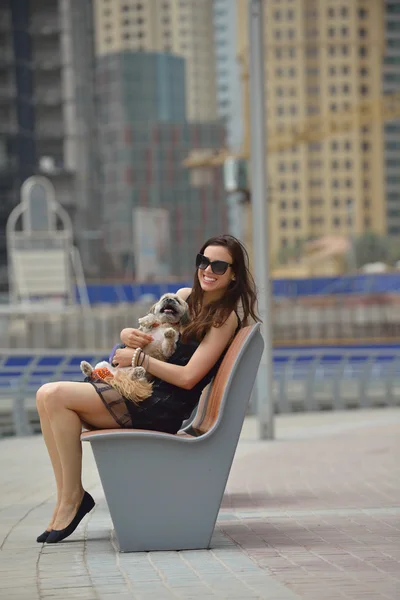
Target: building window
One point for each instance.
(283, 223)
(296, 223)
(336, 222)
(283, 204)
(362, 13)
(345, 11)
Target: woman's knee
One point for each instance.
(49, 396)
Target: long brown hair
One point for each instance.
(240, 291)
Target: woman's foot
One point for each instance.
(67, 511)
(80, 510)
(43, 536)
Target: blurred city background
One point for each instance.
(133, 120)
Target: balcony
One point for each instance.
(6, 58)
(48, 62)
(50, 131)
(5, 20)
(7, 92)
(45, 25)
(8, 127)
(48, 97)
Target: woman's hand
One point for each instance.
(123, 357)
(134, 338)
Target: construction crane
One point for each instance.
(311, 130)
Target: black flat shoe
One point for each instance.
(86, 506)
(43, 537)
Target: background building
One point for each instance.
(228, 68)
(48, 117)
(322, 58)
(184, 28)
(144, 138)
(391, 83)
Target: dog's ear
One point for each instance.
(185, 319)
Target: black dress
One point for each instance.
(168, 406)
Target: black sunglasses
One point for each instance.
(218, 267)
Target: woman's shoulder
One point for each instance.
(184, 293)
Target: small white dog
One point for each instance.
(164, 322)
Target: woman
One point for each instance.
(222, 281)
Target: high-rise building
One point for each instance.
(47, 109)
(391, 83)
(323, 57)
(180, 27)
(144, 139)
(228, 67)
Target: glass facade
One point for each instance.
(144, 139)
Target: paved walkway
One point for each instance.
(313, 515)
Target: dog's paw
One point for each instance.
(170, 333)
(147, 321)
(138, 373)
(86, 368)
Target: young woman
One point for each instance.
(222, 281)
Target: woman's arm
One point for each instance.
(198, 366)
(202, 360)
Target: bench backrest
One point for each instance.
(210, 404)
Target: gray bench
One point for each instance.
(164, 491)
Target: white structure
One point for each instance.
(229, 89)
(43, 264)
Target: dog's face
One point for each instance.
(171, 309)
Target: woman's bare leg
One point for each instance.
(51, 448)
(67, 404)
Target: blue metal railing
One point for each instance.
(304, 379)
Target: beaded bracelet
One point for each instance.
(135, 357)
